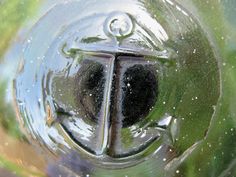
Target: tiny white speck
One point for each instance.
(177, 171)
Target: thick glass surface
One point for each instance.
(115, 88)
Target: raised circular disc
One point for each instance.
(62, 108)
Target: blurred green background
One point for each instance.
(216, 155)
